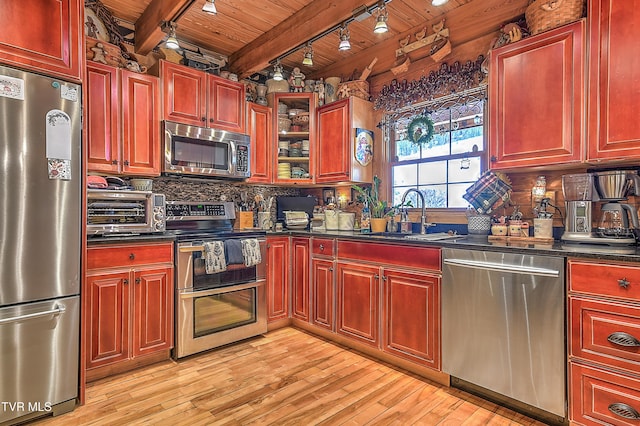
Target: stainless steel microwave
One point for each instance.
(201, 151)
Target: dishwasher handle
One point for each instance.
(501, 267)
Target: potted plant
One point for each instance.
(380, 210)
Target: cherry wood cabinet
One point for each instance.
(323, 292)
(260, 129)
(300, 259)
(358, 300)
(277, 278)
(323, 266)
(604, 342)
(411, 316)
(284, 164)
(44, 36)
(614, 81)
(200, 99)
(336, 147)
(543, 124)
(128, 305)
(123, 116)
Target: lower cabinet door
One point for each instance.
(601, 397)
(106, 314)
(300, 278)
(358, 301)
(323, 293)
(277, 278)
(411, 316)
(152, 311)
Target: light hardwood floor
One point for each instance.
(287, 377)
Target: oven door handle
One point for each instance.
(191, 249)
(191, 294)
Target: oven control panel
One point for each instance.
(193, 210)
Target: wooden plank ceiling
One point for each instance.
(254, 33)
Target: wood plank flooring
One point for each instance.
(287, 377)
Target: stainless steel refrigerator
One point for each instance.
(40, 198)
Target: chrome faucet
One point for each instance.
(423, 217)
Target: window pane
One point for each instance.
(405, 175)
(435, 196)
(456, 191)
(467, 140)
(406, 150)
(438, 146)
(470, 174)
(398, 192)
(432, 172)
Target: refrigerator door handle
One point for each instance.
(58, 310)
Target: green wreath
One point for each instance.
(421, 130)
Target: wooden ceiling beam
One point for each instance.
(149, 26)
(308, 22)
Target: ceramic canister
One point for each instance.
(331, 89)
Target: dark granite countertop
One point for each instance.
(472, 242)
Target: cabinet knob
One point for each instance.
(384, 277)
(623, 282)
(624, 410)
(494, 158)
(331, 269)
(376, 276)
(138, 280)
(268, 245)
(125, 281)
(114, 162)
(623, 339)
(126, 162)
(211, 120)
(203, 119)
(132, 256)
(321, 247)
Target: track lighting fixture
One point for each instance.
(277, 71)
(210, 7)
(381, 20)
(172, 41)
(345, 37)
(308, 55)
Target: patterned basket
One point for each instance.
(543, 15)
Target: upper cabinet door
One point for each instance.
(226, 104)
(140, 123)
(334, 130)
(43, 36)
(101, 116)
(614, 80)
(185, 94)
(536, 102)
(260, 129)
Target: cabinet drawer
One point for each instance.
(599, 397)
(391, 254)
(605, 332)
(605, 279)
(323, 247)
(124, 255)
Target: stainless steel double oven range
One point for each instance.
(218, 308)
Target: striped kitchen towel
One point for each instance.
(214, 260)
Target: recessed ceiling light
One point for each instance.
(438, 2)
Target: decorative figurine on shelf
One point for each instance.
(99, 53)
(296, 80)
(320, 89)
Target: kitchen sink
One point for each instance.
(436, 236)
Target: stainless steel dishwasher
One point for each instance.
(503, 328)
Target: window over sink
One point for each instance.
(444, 167)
